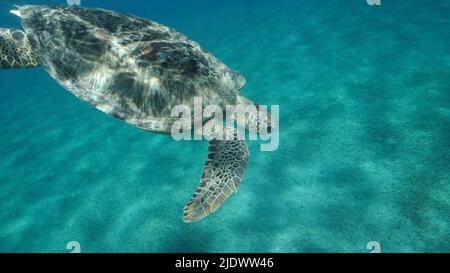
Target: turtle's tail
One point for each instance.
(15, 49)
(16, 11)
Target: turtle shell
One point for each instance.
(128, 67)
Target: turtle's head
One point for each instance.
(268, 127)
(258, 121)
(258, 118)
(264, 122)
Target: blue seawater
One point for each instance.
(364, 156)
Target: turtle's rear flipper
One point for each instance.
(222, 175)
(15, 49)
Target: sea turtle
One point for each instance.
(135, 70)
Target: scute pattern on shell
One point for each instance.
(131, 68)
(15, 50)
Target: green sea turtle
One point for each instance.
(135, 70)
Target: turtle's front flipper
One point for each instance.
(15, 49)
(222, 175)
